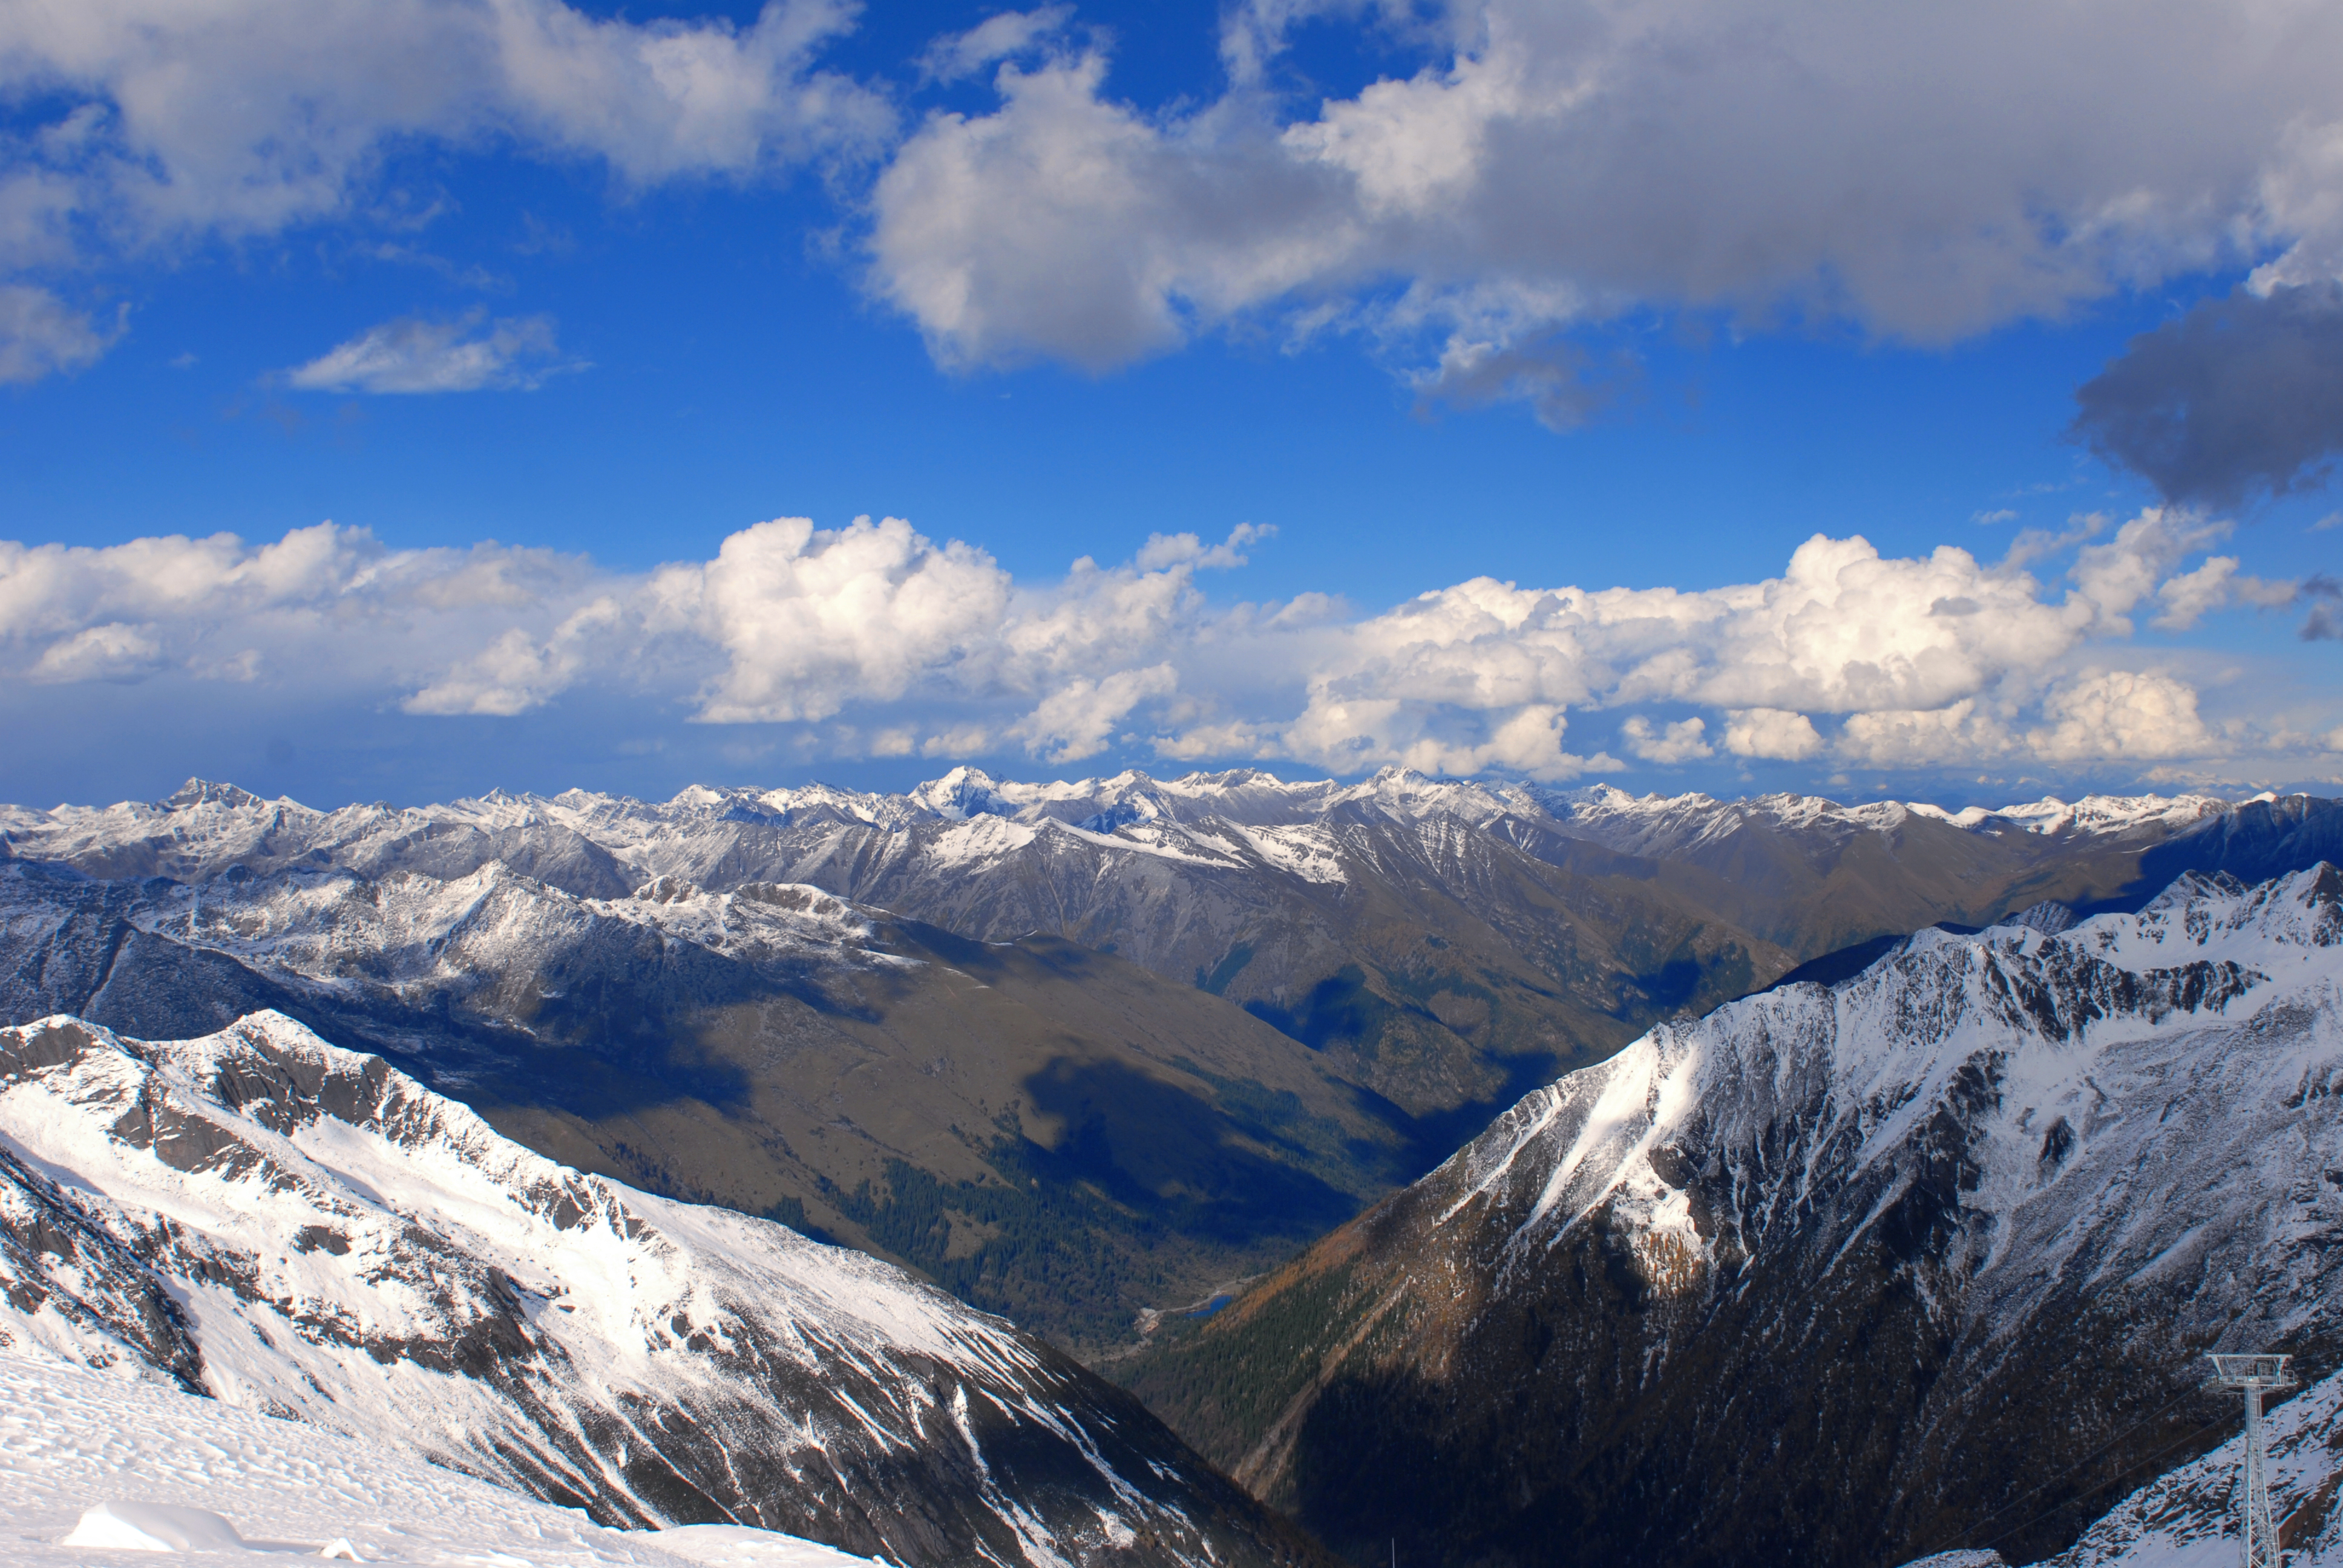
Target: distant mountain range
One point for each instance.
(1838, 1274)
(1077, 1051)
(304, 1231)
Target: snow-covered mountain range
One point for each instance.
(978, 856)
(1272, 893)
(206, 828)
(1840, 1274)
(302, 1232)
(1076, 1050)
(773, 1048)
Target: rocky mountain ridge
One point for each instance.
(204, 827)
(1332, 910)
(304, 1231)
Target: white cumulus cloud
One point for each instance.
(155, 126)
(326, 608)
(1963, 732)
(1664, 744)
(241, 116)
(810, 619)
(518, 672)
(958, 55)
(110, 652)
(1079, 718)
(2116, 714)
(1770, 732)
(874, 639)
(1924, 173)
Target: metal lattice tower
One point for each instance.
(2255, 1375)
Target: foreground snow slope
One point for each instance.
(72, 1441)
(1837, 1275)
(302, 1231)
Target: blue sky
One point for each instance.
(1086, 277)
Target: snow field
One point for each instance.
(72, 1442)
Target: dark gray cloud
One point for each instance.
(2324, 624)
(1565, 386)
(2239, 396)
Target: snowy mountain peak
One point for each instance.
(2011, 1028)
(2303, 911)
(205, 792)
(2100, 814)
(963, 793)
(206, 826)
(303, 1231)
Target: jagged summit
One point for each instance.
(204, 792)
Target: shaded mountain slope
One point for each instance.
(1433, 961)
(1811, 876)
(1831, 1275)
(2254, 841)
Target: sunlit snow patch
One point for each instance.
(96, 1469)
(154, 1527)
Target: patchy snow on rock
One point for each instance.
(2071, 1023)
(1653, 824)
(2188, 1517)
(1967, 817)
(1661, 826)
(1310, 853)
(588, 842)
(976, 842)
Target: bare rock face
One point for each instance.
(1846, 1274)
(304, 1231)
